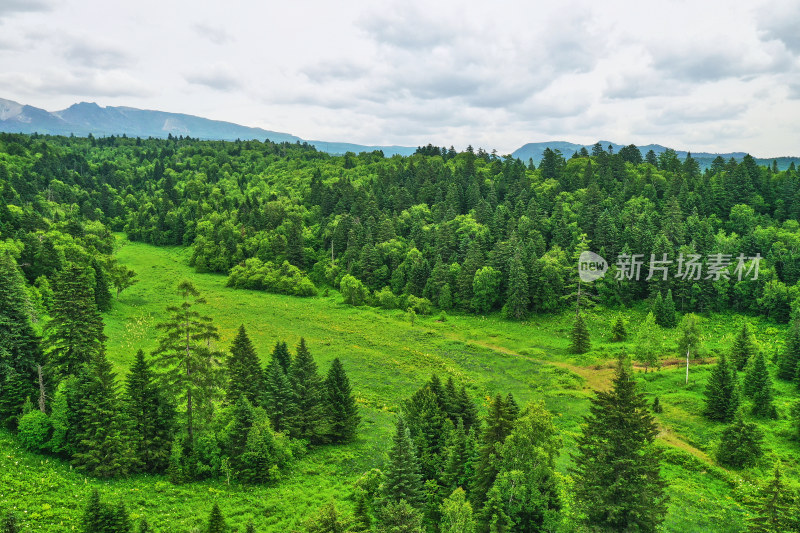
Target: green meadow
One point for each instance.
(387, 357)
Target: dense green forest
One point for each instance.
(434, 233)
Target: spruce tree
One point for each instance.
(499, 422)
(19, 346)
(342, 411)
(618, 483)
(758, 386)
(152, 416)
(97, 517)
(458, 457)
(102, 290)
(216, 522)
(103, 443)
(327, 520)
(658, 308)
(144, 527)
(722, 395)
(668, 318)
(400, 517)
(190, 367)
(9, 524)
(518, 293)
(403, 481)
(790, 356)
(282, 355)
(773, 511)
(74, 334)
(740, 445)
(243, 419)
(742, 349)
(279, 399)
(244, 373)
(308, 396)
(579, 337)
(619, 333)
(257, 459)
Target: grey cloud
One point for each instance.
(407, 30)
(84, 84)
(782, 25)
(694, 113)
(339, 71)
(216, 34)
(714, 65)
(95, 55)
(216, 79)
(9, 7)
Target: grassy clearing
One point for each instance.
(387, 358)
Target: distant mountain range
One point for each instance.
(85, 118)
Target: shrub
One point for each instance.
(421, 306)
(34, 430)
(284, 279)
(740, 445)
(385, 298)
(353, 291)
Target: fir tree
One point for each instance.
(618, 484)
(619, 333)
(400, 517)
(244, 373)
(722, 395)
(657, 406)
(102, 291)
(579, 337)
(343, 418)
(96, 516)
(279, 400)
(773, 511)
(308, 395)
(190, 367)
(518, 293)
(152, 416)
(327, 520)
(257, 460)
(649, 345)
(790, 356)
(499, 422)
(458, 460)
(74, 334)
(19, 345)
(103, 444)
(216, 522)
(237, 435)
(667, 318)
(281, 354)
(465, 409)
(740, 444)
(658, 308)
(403, 481)
(742, 349)
(758, 386)
(9, 524)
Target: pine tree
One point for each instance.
(668, 318)
(758, 386)
(403, 481)
(19, 345)
(216, 522)
(657, 406)
(466, 409)
(499, 422)
(102, 291)
(458, 460)
(579, 337)
(649, 345)
(237, 435)
(190, 366)
(279, 400)
(308, 395)
(518, 293)
(400, 517)
(740, 444)
(742, 349)
(103, 443)
(97, 517)
(658, 308)
(773, 511)
(244, 373)
(257, 460)
(618, 484)
(152, 416)
(282, 355)
(618, 332)
(74, 334)
(9, 524)
(342, 411)
(722, 395)
(790, 356)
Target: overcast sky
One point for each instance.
(711, 76)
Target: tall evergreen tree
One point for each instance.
(773, 511)
(342, 411)
(74, 334)
(499, 422)
(102, 431)
(152, 416)
(618, 484)
(518, 292)
(722, 394)
(308, 396)
(19, 346)
(789, 358)
(403, 481)
(282, 355)
(216, 522)
(743, 348)
(190, 366)
(619, 333)
(667, 317)
(244, 373)
(740, 444)
(758, 386)
(279, 399)
(579, 337)
(102, 289)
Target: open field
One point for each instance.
(387, 358)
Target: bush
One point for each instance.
(353, 291)
(256, 275)
(34, 430)
(421, 306)
(386, 299)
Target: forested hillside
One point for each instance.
(188, 399)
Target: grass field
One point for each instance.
(387, 358)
